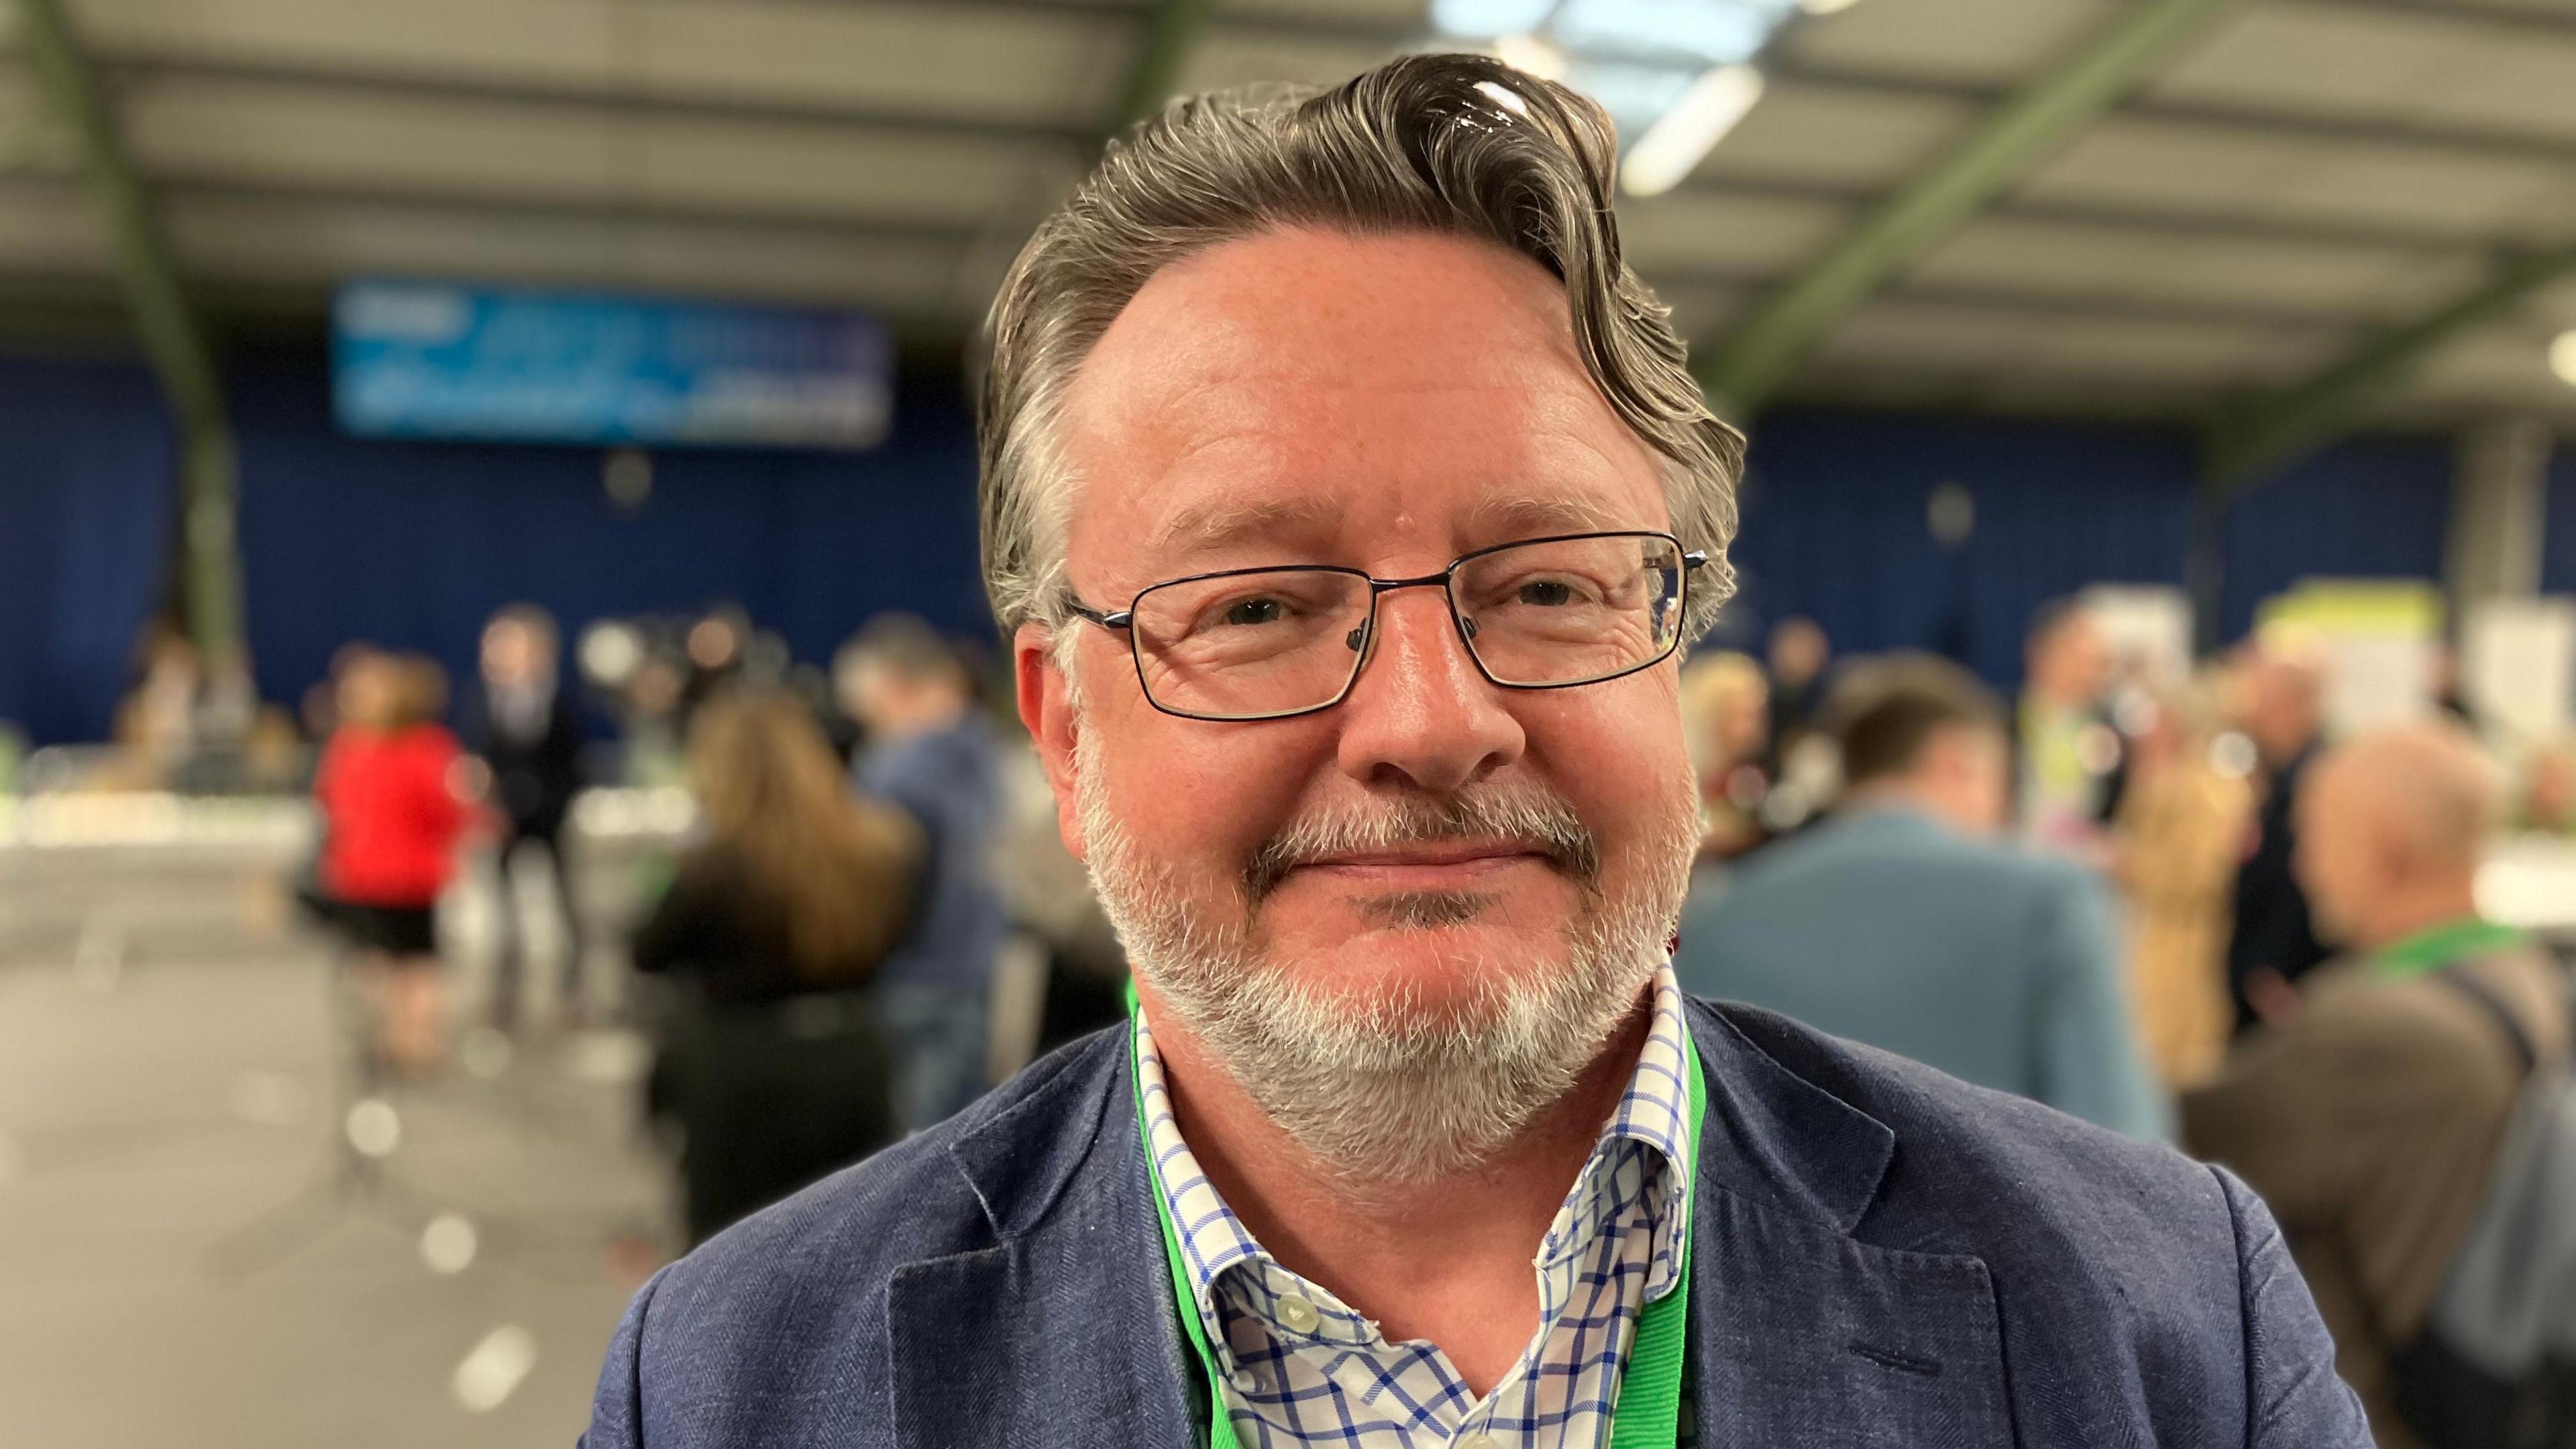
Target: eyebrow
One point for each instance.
(1501, 516)
(1222, 522)
(1497, 516)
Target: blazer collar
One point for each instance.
(1778, 1139)
(1020, 1157)
(1783, 1295)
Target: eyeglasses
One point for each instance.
(1542, 613)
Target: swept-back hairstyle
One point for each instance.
(1455, 144)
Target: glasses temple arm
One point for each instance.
(1113, 619)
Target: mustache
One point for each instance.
(1532, 817)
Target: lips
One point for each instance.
(1432, 856)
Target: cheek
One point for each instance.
(1194, 794)
(1618, 751)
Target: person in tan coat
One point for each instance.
(2369, 1118)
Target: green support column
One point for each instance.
(168, 330)
(1767, 347)
(1171, 29)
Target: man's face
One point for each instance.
(511, 653)
(1385, 404)
(2074, 664)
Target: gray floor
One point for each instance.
(170, 1275)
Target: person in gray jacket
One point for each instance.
(1901, 923)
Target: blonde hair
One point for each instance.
(1713, 685)
(838, 869)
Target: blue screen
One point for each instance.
(415, 359)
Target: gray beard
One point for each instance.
(1387, 1091)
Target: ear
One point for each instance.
(1046, 710)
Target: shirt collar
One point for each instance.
(2437, 946)
(1654, 1113)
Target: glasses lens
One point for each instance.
(1248, 645)
(1572, 610)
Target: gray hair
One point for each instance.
(1457, 144)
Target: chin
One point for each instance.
(1433, 971)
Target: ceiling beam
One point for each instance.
(2509, 21)
(2273, 430)
(2254, 120)
(2148, 218)
(1756, 357)
(171, 337)
(2470, 142)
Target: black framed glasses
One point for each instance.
(1539, 613)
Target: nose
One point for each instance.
(1421, 715)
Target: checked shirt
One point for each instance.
(1305, 1371)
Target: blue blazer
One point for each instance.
(1885, 1257)
(1995, 965)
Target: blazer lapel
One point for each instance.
(1061, 1335)
(1802, 1335)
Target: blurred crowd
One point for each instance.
(2164, 898)
(2179, 906)
(864, 919)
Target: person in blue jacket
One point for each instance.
(1346, 501)
(1903, 922)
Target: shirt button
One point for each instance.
(1480, 1440)
(1297, 1314)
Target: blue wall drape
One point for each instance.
(88, 475)
(1836, 527)
(2558, 541)
(411, 545)
(2365, 508)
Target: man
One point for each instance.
(1341, 487)
(523, 728)
(1900, 924)
(2368, 1120)
(930, 752)
(2273, 943)
(2070, 755)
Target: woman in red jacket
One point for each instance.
(392, 788)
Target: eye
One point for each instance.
(1546, 593)
(1255, 611)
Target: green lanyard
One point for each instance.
(1647, 1411)
(2439, 946)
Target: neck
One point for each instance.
(2407, 910)
(1448, 1259)
(927, 716)
(1906, 794)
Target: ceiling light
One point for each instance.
(1826, 7)
(1675, 145)
(2562, 358)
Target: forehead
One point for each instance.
(1301, 385)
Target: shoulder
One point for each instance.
(1962, 1146)
(429, 741)
(2129, 1283)
(810, 1274)
(2058, 1209)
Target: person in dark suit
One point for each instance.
(2274, 941)
(523, 728)
(1346, 502)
